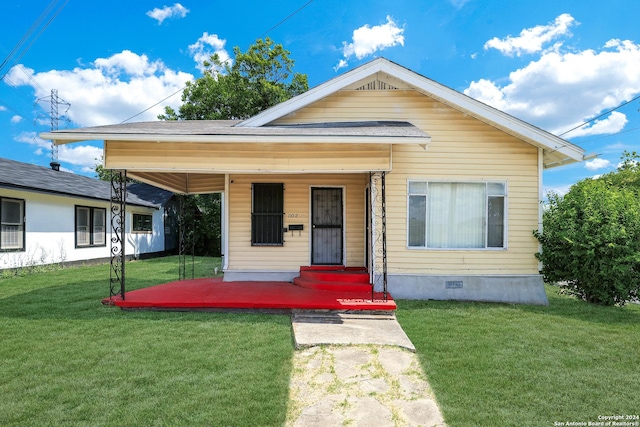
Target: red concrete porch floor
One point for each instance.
(214, 293)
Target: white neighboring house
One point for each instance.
(50, 216)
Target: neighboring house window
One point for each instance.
(456, 215)
(12, 224)
(90, 226)
(142, 223)
(267, 213)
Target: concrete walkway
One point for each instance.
(320, 328)
(357, 370)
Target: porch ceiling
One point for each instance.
(182, 183)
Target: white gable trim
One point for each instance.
(555, 147)
(314, 94)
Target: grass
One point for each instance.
(67, 360)
(498, 364)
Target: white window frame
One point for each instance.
(21, 232)
(93, 242)
(505, 237)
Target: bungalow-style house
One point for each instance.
(50, 216)
(433, 192)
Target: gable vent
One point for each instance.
(377, 85)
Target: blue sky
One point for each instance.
(554, 64)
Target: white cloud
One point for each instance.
(79, 155)
(16, 119)
(3, 108)
(341, 64)
(627, 163)
(129, 63)
(206, 46)
(368, 40)
(175, 11)
(614, 123)
(561, 90)
(597, 164)
(111, 89)
(558, 189)
(33, 139)
(531, 40)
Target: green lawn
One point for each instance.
(502, 365)
(67, 360)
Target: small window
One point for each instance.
(142, 223)
(11, 224)
(90, 226)
(456, 215)
(267, 213)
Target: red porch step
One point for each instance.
(334, 278)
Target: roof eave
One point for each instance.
(65, 138)
(448, 96)
(313, 94)
(31, 189)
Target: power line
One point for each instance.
(28, 34)
(601, 115)
(228, 59)
(589, 121)
(286, 19)
(610, 135)
(18, 49)
(147, 109)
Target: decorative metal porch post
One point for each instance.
(378, 232)
(118, 232)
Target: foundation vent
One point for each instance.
(453, 284)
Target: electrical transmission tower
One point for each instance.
(54, 115)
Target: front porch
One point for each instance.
(216, 294)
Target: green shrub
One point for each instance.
(591, 241)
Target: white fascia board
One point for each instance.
(455, 99)
(313, 95)
(292, 170)
(484, 112)
(65, 138)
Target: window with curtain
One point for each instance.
(11, 224)
(456, 215)
(90, 226)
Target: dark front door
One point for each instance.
(327, 226)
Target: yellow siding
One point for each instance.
(295, 251)
(263, 157)
(462, 149)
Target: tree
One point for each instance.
(628, 174)
(256, 80)
(591, 237)
(201, 221)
